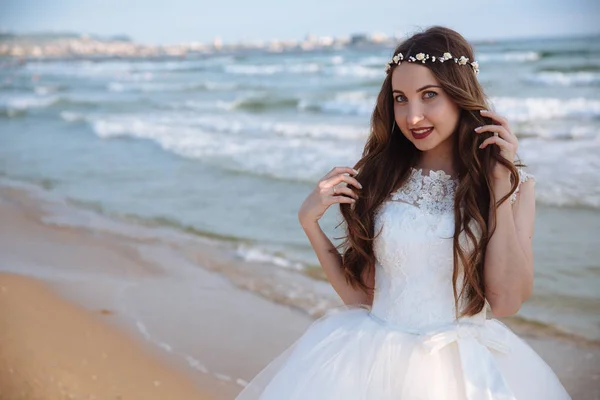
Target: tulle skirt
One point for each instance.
(349, 354)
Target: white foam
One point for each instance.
(197, 365)
(258, 255)
(346, 103)
(373, 61)
(240, 69)
(336, 60)
(150, 86)
(566, 171)
(222, 377)
(26, 102)
(304, 68)
(509, 56)
(132, 68)
(582, 78)
(46, 89)
(250, 123)
(273, 155)
(116, 87)
(84, 68)
(271, 69)
(70, 116)
(290, 129)
(536, 108)
(357, 70)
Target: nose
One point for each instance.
(415, 114)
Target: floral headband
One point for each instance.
(422, 57)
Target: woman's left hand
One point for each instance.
(503, 138)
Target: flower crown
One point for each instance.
(422, 57)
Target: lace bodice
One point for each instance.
(413, 279)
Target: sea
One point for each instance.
(227, 145)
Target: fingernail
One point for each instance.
(478, 128)
(483, 111)
(481, 146)
(355, 171)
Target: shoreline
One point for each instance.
(187, 299)
(245, 264)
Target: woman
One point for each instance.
(440, 221)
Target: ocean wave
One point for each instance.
(259, 104)
(373, 61)
(509, 56)
(335, 60)
(319, 131)
(571, 52)
(248, 125)
(565, 79)
(243, 125)
(80, 68)
(255, 254)
(89, 68)
(544, 108)
(16, 106)
(567, 172)
(144, 87)
(44, 90)
(272, 155)
(271, 69)
(345, 103)
(70, 116)
(573, 68)
(13, 106)
(359, 71)
(295, 153)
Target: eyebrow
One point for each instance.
(418, 90)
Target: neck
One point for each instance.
(438, 158)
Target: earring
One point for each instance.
(393, 126)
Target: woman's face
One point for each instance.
(424, 112)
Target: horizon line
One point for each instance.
(125, 36)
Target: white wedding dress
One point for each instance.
(408, 345)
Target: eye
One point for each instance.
(427, 95)
(400, 98)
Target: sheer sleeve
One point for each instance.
(523, 177)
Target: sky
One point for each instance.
(182, 21)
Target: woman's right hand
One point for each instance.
(327, 193)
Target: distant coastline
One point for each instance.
(53, 45)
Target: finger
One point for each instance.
(496, 117)
(497, 129)
(342, 178)
(339, 190)
(338, 199)
(340, 170)
(499, 119)
(495, 140)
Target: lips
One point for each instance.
(421, 133)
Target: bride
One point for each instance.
(440, 220)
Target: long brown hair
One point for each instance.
(388, 156)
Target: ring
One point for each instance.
(334, 190)
(496, 134)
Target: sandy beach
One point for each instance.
(54, 349)
(153, 314)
